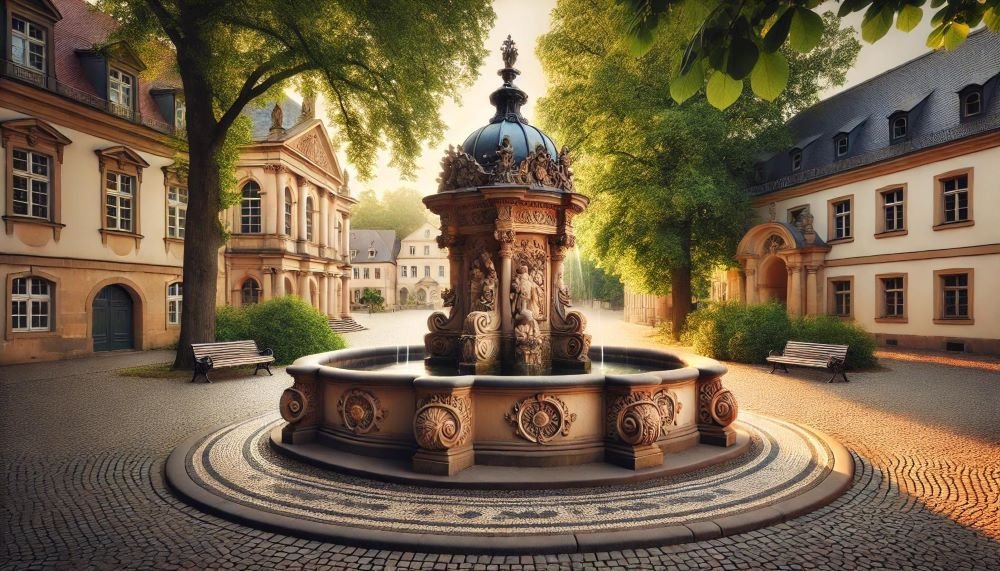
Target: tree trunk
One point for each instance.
(680, 285)
(202, 235)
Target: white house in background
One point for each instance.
(422, 268)
(373, 257)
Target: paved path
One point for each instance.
(83, 450)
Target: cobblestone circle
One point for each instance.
(83, 451)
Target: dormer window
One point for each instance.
(180, 115)
(27, 44)
(354, 254)
(371, 253)
(972, 102)
(841, 145)
(120, 89)
(899, 128)
(796, 160)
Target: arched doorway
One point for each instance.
(112, 314)
(421, 296)
(773, 283)
(404, 294)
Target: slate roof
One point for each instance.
(383, 241)
(927, 87)
(260, 116)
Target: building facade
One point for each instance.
(373, 257)
(885, 210)
(423, 269)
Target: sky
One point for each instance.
(525, 21)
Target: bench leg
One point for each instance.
(839, 371)
(200, 369)
(265, 367)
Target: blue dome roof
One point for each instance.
(482, 144)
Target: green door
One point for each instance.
(113, 319)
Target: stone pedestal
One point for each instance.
(717, 410)
(442, 428)
(633, 457)
(443, 462)
(301, 407)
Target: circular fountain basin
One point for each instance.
(636, 408)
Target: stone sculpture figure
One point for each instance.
(504, 172)
(527, 338)
(509, 51)
(277, 118)
(525, 293)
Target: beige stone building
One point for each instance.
(373, 257)
(423, 268)
(885, 210)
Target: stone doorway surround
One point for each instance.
(803, 254)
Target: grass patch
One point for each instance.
(154, 371)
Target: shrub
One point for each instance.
(829, 329)
(288, 325)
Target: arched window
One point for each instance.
(175, 297)
(31, 304)
(250, 292)
(250, 209)
(972, 104)
(309, 218)
(900, 129)
(288, 212)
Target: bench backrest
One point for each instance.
(225, 349)
(805, 350)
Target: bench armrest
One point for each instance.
(836, 362)
(268, 352)
(206, 361)
(775, 353)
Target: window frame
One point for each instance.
(963, 102)
(832, 293)
(175, 300)
(832, 215)
(881, 305)
(413, 250)
(119, 196)
(125, 90)
(403, 274)
(29, 299)
(310, 215)
(939, 199)
(176, 230)
(844, 138)
(246, 219)
(893, 119)
(378, 273)
(121, 161)
(255, 293)
(356, 273)
(31, 177)
(440, 271)
(880, 210)
(939, 293)
(35, 136)
(427, 250)
(366, 273)
(28, 42)
(795, 155)
(289, 212)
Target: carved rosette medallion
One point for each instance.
(442, 421)
(640, 418)
(540, 418)
(716, 404)
(293, 404)
(360, 411)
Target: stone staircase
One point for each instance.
(347, 325)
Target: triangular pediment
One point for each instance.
(313, 143)
(123, 53)
(34, 129)
(45, 8)
(123, 155)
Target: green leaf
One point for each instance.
(722, 90)
(936, 38)
(684, 86)
(909, 16)
(778, 32)
(955, 35)
(742, 58)
(806, 30)
(851, 6)
(877, 21)
(640, 42)
(769, 76)
(992, 19)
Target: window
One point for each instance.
(955, 199)
(357, 273)
(371, 253)
(30, 304)
(367, 273)
(413, 271)
(288, 212)
(175, 297)
(119, 196)
(354, 254)
(31, 196)
(796, 160)
(841, 144)
(898, 128)
(250, 292)
(250, 208)
(440, 271)
(795, 213)
(953, 296)
(427, 250)
(413, 250)
(890, 211)
(120, 92)
(427, 271)
(427, 234)
(404, 271)
(378, 273)
(310, 214)
(892, 298)
(177, 199)
(972, 102)
(180, 114)
(839, 220)
(27, 44)
(841, 290)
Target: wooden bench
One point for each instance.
(208, 356)
(817, 355)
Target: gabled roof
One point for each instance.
(418, 234)
(852, 124)
(384, 243)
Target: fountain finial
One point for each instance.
(509, 50)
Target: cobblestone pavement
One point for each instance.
(82, 456)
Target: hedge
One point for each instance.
(732, 331)
(288, 325)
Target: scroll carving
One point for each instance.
(640, 418)
(716, 404)
(442, 421)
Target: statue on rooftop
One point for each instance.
(277, 118)
(509, 51)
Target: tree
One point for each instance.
(401, 210)
(373, 299)
(666, 180)
(734, 41)
(384, 66)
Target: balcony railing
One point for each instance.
(33, 77)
